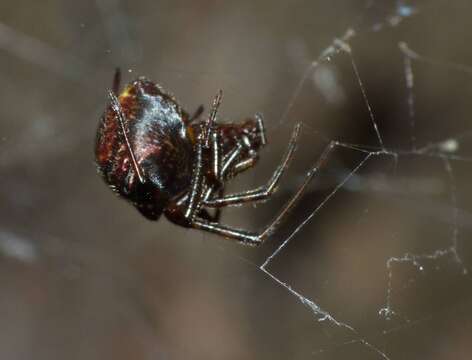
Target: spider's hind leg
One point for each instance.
(255, 239)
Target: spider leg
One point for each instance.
(263, 192)
(250, 161)
(215, 176)
(216, 158)
(225, 167)
(196, 185)
(219, 169)
(116, 106)
(230, 159)
(244, 165)
(242, 236)
(230, 168)
(210, 123)
(253, 238)
(116, 81)
(215, 217)
(261, 128)
(205, 140)
(197, 114)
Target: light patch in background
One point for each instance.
(16, 247)
(326, 79)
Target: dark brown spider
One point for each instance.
(152, 153)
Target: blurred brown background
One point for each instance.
(84, 276)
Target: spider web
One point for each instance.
(376, 251)
(444, 152)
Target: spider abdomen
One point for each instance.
(160, 139)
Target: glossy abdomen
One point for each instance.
(159, 138)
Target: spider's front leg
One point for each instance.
(187, 210)
(116, 81)
(205, 179)
(196, 114)
(215, 182)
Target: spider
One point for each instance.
(164, 161)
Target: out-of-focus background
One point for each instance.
(379, 270)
